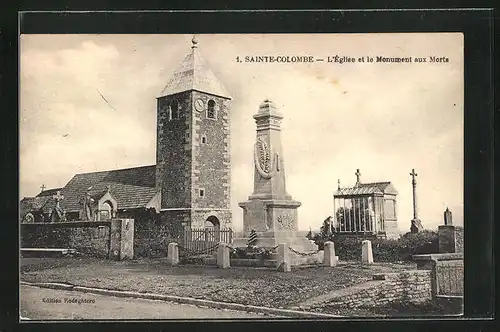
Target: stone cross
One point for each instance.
(447, 217)
(42, 187)
(58, 197)
(414, 185)
(358, 175)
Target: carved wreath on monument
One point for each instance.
(263, 159)
(285, 221)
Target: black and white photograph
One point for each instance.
(241, 176)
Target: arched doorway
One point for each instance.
(106, 211)
(212, 225)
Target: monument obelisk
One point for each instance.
(270, 211)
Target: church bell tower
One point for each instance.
(193, 165)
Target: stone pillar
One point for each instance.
(366, 252)
(121, 242)
(223, 260)
(450, 239)
(173, 254)
(283, 258)
(329, 258)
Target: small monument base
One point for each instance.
(450, 239)
(271, 239)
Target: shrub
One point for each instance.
(251, 252)
(348, 248)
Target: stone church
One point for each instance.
(190, 182)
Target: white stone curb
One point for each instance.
(185, 300)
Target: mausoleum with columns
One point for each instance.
(365, 209)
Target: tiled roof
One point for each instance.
(132, 188)
(28, 204)
(368, 188)
(194, 74)
(49, 192)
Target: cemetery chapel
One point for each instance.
(190, 182)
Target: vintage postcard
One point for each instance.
(257, 176)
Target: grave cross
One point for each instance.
(358, 175)
(413, 175)
(58, 197)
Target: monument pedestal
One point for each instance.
(450, 239)
(275, 222)
(270, 211)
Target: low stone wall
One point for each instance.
(92, 238)
(91, 241)
(409, 286)
(152, 237)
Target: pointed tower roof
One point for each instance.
(194, 74)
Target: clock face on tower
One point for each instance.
(198, 105)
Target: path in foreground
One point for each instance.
(108, 307)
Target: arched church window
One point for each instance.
(211, 112)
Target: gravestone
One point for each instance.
(270, 211)
(366, 252)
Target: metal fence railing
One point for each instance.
(205, 240)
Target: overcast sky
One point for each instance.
(384, 119)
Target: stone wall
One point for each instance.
(173, 151)
(92, 241)
(391, 229)
(459, 239)
(409, 286)
(211, 169)
(152, 235)
(198, 217)
(91, 238)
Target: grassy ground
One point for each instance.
(262, 287)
